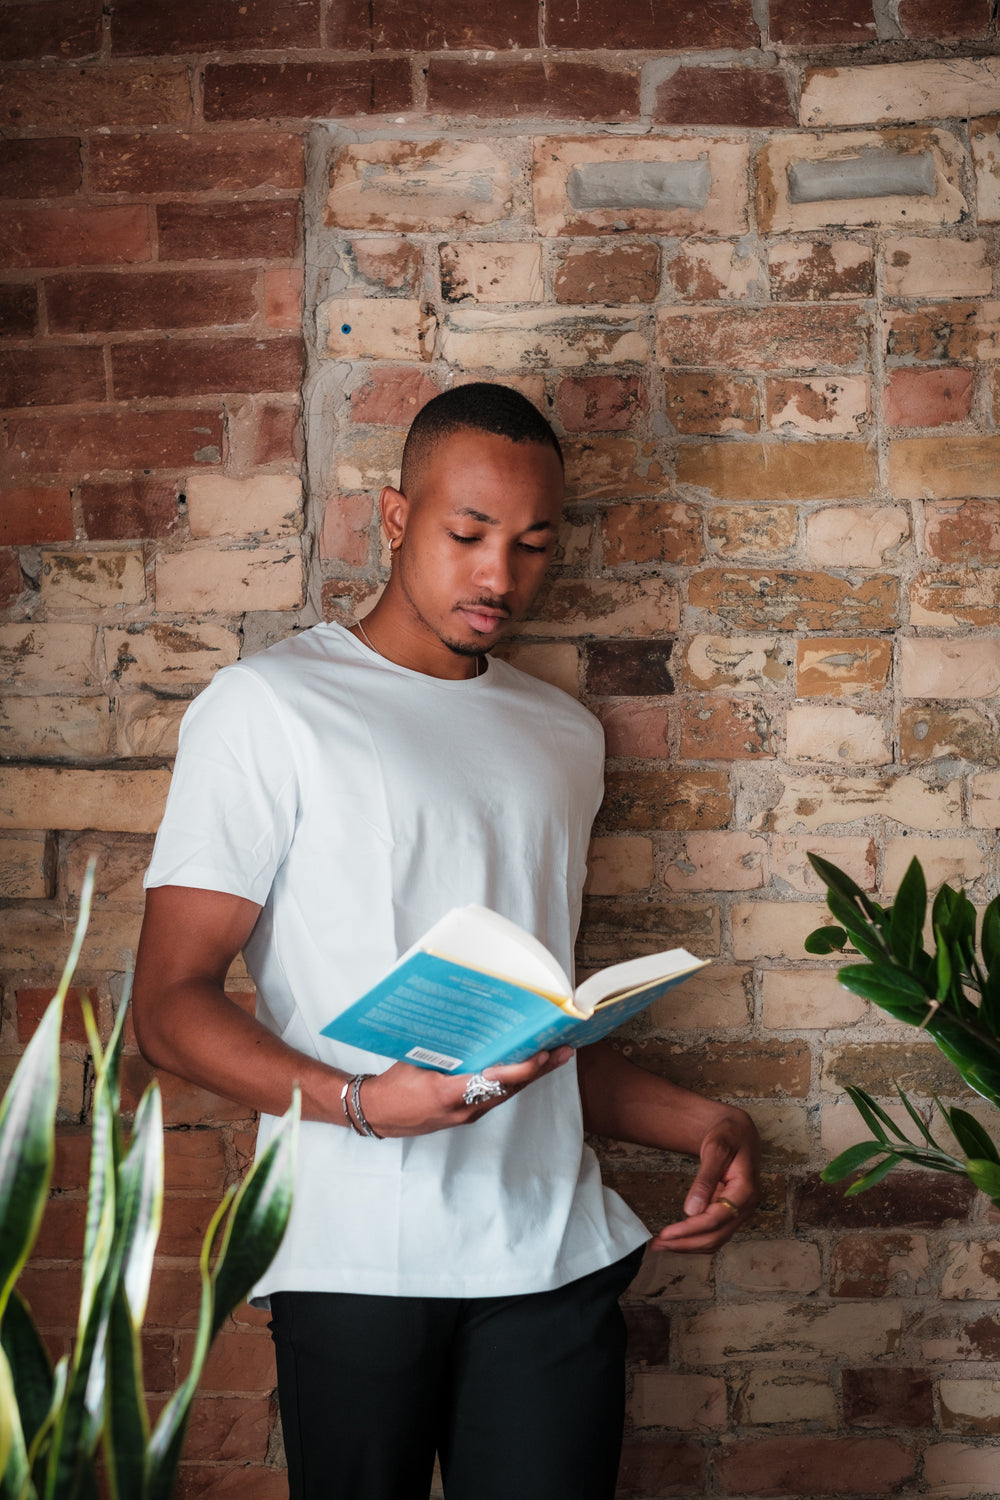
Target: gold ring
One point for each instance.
(731, 1206)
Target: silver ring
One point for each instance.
(479, 1089)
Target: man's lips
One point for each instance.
(483, 618)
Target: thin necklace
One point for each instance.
(480, 664)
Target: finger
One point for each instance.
(518, 1075)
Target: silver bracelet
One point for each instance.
(364, 1127)
(347, 1113)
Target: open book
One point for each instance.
(478, 990)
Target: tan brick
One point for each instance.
(826, 405)
(930, 90)
(59, 727)
(730, 663)
(147, 725)
(972, 1270)
(953, 597)
(783, 599)
(769, 1397)
(771, 1266)
(47, 656)
(43, 797)
(72, 1079)
(639, 727)
(619, 866)
(417, 186)
(931, 733)
(918, 266)
(161, 655)
(704, 403)
(369, 460)
(346, 533)
(491, 273)
(879, 1066)
(842, 668)
(531, 339)
(808, 1000)
(718, 862)
(715, 270)
(377, 328)
(717, 996)
(728, 729)
(392, 265)
(553, 662)
(955, 860)
(953, 1470)
(673, 1277)
(811, 802)
(774, 929)
(779, 470)
(813, 270)
(784, 1131)
(603, 466)
(761, 338)
(612, 931)
(92, 580)
(121, 863)
(723, 162)
(832, 732)
(755, 531)
(676, 1399)
(230, 580)
(651, 531)
(770, 1331)
(970, 1405)
(984, 135)
(574, 606)
(984, 808)
(266, 505)
(789, 861)
(26, 868)
(841, 1126)
(962, 531)
(944, 468)
(968, 668)
(608, 273)
(858, 536)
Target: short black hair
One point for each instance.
(481, 407)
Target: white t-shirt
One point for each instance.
(357, 801)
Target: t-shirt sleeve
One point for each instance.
(233, 799)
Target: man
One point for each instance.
(450, 1275)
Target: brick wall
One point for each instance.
(747, 261)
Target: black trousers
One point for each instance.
(518, 1395)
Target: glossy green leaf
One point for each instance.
(874, 1176)
(873, 1115)
(909, 913)
(971, 1136)
(864, 935)
(888, 988)
(848, 1161)
(837, 881)
(917, 1119)
(990, 939)
(986, 1176)
(825, 940)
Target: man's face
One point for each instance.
(476, 535)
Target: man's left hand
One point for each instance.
(724, 1194)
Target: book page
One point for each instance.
(485, 940)
(634, 974)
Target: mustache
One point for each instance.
(493, 605)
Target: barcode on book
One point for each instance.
(433, 1059)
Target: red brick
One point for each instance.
(724, 96)
(232, 1428)
(651, 531)
(228, 231)
(547, 90)
(139, 29)
(183, 1103)
(637, 727)
(61, 1235)
(705, 403)
(727, 729)
(238, 1362)
(71, 1168)
(609, 273)
(184, 1223)
(745, 1070)
(942, 330)
(764, 338)
(963, 531)
(74, 236)
(927, 398)
(30, 516)
(814, 1466)
(943, 20)
(812, 22)
(661, 1467)
(33, 1003)
(18, 310)
(230, 1482)
(91, 97)
(346, 533)
(283, 297)
(51, 377)
(924, 1200)
(394, 265)
(159, 1361)
(195, 163)
(655, 24)
(844, 269)
(648, 1328)
(113, 440)
(877, 1265)
(392, 395)
(199, 367)
(677, 800)
(194, 1159)
(638, 669)
(117, 301)
(51, 28)
(262, 432)
(53, 1293)
(308, 91)
(133, 509)
(12, 580)
(600, 403)
(432, 25)
(888, 1398)
(40, 168)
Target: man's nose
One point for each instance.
(494, 571)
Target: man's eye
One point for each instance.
(457, 536)
(527, 547)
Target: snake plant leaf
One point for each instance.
(825, 940)
(971, 1136)
(909, 913)
(13, 1454)
(27, 1146)
(874, 1176)
(848, 1161)
(140, 1194)
(30, 1366)
(990, 938)
(126, 1424)
(986, 1176)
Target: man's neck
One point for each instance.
(410, 648)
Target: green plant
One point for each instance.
(952, 993)
(54, 1422)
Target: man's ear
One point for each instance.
(394, 508)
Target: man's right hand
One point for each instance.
(405, 1100)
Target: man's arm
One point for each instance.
(627, 1103)
(185, 1023)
